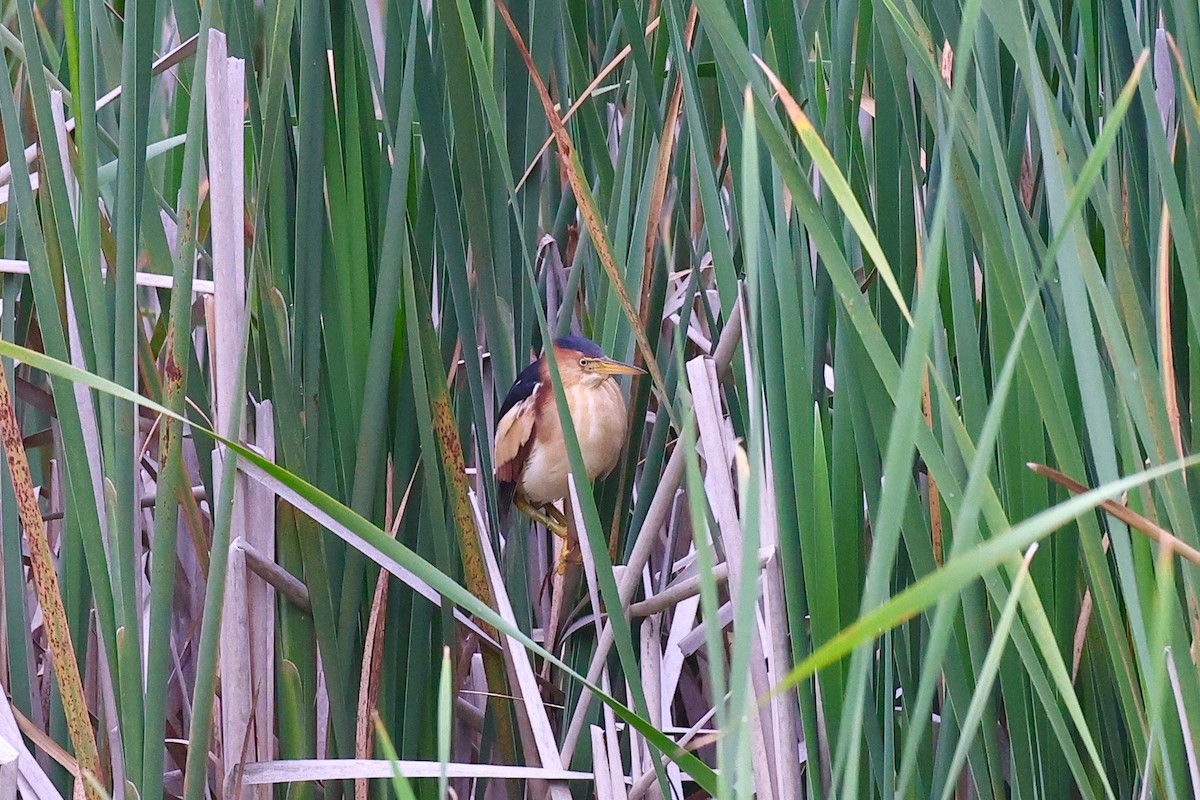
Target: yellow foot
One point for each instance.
(567, 555)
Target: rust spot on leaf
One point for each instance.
(171, 369)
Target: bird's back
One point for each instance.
(514, 433)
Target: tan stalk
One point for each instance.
(1165, 348)
(45, 581)
(1124, 513)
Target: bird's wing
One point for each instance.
(514, 435)
(514, 431)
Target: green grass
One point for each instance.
(877, 257)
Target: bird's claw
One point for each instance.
(559, 526)
(567, 555)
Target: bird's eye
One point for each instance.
(583, 362)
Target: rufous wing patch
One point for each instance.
(514, 435)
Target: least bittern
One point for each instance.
(531, 455)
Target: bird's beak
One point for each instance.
(612, 367)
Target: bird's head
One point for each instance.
(581, 361)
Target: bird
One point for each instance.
(531, 462)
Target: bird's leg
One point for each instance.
(541, 516)
(556, 523)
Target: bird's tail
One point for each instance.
(507, 491)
